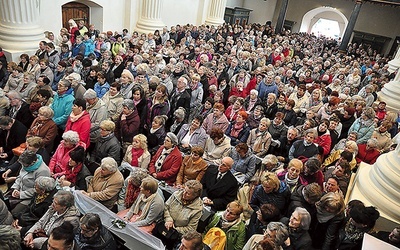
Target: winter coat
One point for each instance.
(13, 82)
(25, 182)
(47, 72)
(143, 160)
(62, 107)
(169, 168)
(98, 113)
(198, 137)
(279, 198)
(71, 214)
(324, 141)
(242, 137)
(235, 235)
(16, 136)
(325, 235)
(107, 146)
(46, 129)
(214, 153)
(208, 123)
(246, 165)
(126, 129)
(264, 89)
(278, 131)
(155, 140)
(265, 139)
(184, 217)
(102, 239)
(114, 105)
(59, 160)
(367, 156)
(81, 126)
(105, 189)
(191, 170)
(101, 90)
(53, 58)
(364, 130)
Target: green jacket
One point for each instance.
(235, 236)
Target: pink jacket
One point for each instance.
(81, 126)
(59, 161)
(221, 123)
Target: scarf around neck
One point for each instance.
(74, 117)
(34, 166)
(147, 203)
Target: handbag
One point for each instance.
(170, 234)
(19, 150)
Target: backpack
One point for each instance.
(215, 239)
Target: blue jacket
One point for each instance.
(89, 47)
(62, 107)
(101, 89)
(264, 89)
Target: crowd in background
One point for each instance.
(257, 133)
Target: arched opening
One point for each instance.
(76, 11)
(314, 16)
(89, 11)
(326, 27)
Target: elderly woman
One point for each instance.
(167, 160)
(382, 135)
(44, 127)
(127, 125)
(107, 145)
(15, 79)
(364, 125)
(271, 190)
(368, 152)
(290, 116)
(238, 131)
(59, 161)
(62, 209)
(216, 119)
(298, 224)
(191, 135)
(182, 211)
(252, 101)
(26, 87)
(126, 81)
(156, 134)
(230, 222)
(217, 146)
(330, 216)
(45, 188)
(291, 175)
(259, 139)
(23, 188)
(106, 183)
(148, 208)
(193, 167)
(75, 172)
(131, 189)
(93, 235)
(276, 233)
(178, 120)
(62, 104)
(113, 101)
(334, 158)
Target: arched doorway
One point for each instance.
(76, 11)
(328, 13)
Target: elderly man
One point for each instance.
(219, 185)
(97, 111)
(76, 84)
(181, 97)
(106, 183)
(12, 134)
(368, 152)
(19, 109)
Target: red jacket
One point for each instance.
(367, 156)
(170, 167)
(81, 126)
(325, 142)
(59, 162)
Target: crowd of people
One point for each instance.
(257, 133)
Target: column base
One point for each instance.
(214, 21)
(390, 94)
(394, 65)
(20, 39)
(376, 185)
(148, 25)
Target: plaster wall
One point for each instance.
(262, 10)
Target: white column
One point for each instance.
(150, 16)
(391, 91)
(395, 63)
(216, 11)
(20, 26)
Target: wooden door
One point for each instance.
(76, 11)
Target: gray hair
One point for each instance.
(71, 136)
(110, 164)
(14, 94)
(65, 198)
(373, 142)
(195, 186)
(47, 112)
(10, 238)
(180, 113)
(45, 183)
(282, 232)
(270, 158)
(89, 94)
(27, 158)
(305, 218)
(311, 131)
(254, 91)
